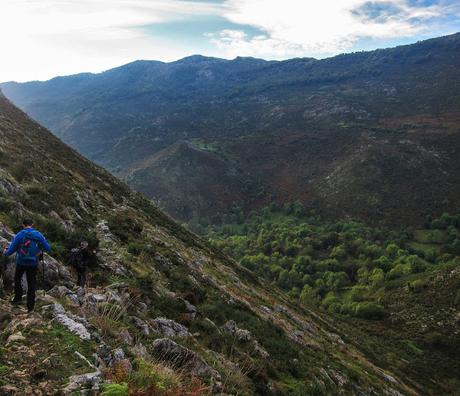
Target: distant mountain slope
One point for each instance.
(160, 297)
(189, 181)
(343, 135)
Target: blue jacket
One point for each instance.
(14, 246)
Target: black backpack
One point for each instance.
(77, 259)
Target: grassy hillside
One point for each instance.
(366, 135)
(165, 313)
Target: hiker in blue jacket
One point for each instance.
(28, 244)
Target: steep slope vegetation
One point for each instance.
(164, 312)
(375, 130)
(189, 182)
(406, 285)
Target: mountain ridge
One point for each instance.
(384, 108)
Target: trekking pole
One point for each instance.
(42, 258)
(3, 273)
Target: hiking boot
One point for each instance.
(15, 302)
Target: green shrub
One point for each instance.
(357, 293)
(115, 390)
(417, 285)
(6, 204)
(398, 271)
(413, 348)
(369, 310)
(147, 375)
(20, 171)
(124, 226)
(135, 248)
(51, 228)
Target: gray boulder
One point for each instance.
(73, 323)
(170, 328)
(84, 384)
(240, 334)
(178, 357)
(142, 325)
(62, 291)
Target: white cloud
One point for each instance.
(299, 27)
(40, 39)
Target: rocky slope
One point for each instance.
(375, 130)
(164, 312)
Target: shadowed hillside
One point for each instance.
(370, 135)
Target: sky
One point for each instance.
(41, 39)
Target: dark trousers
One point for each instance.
(31, 276)
(81, 274)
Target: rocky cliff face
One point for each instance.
(163, 312)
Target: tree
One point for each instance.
(377, 277)
(336, 280)
(308, 295)
(338, 252)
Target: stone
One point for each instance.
(240, 334)
(261, 351)
(118, 355)
(266, 309)
(339, 378)
(73, 323)
(79, 383)
(125, 336)
(62, 291)
(170, 328)
(96, 298)
(191, 310)
(74, 327)
(281, 308)
(104, 355)
(113, 297)
(141, 351)
(178, 357)
(141, 325)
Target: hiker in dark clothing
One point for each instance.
(81, 259)
(7, 284)
(28, 244)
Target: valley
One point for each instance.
(362, 135)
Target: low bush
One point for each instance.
(124, 226)
(115, 390)
(369, 310)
